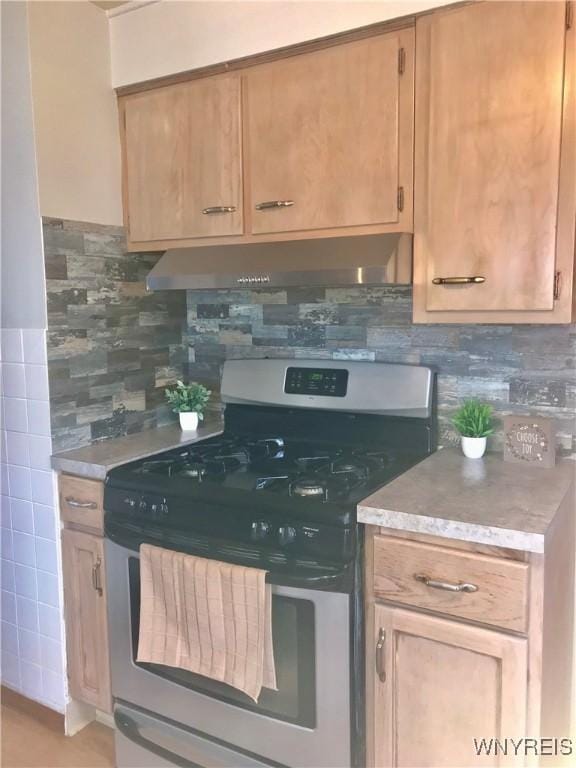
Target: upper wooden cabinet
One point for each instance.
(331, 131)
(329, 137)
(183, 161)
(495, 167)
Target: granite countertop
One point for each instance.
(96, 460)
(486, 501)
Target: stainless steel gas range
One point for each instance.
(303, 443)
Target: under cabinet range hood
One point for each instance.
(338, 261)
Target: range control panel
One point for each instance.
(326, 382)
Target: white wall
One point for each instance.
(167, 37)
(22, 268)
(75, 113)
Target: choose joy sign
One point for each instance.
(529, 439)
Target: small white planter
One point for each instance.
(473, 447)
(189, 421)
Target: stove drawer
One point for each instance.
(480, 588)
(81, 502)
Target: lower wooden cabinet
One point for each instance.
(86, 619)
(466, 641)
(440, 685)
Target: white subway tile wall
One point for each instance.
(32, 633)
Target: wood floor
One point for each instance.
(32, 741)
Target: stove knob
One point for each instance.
(164, 507)
(286, 535)
(143, 506)
(260, 529)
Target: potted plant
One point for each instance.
(474, 422)
(189, 401)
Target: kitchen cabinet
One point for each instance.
(183, 161)
(441, 684)
(329, 138)
(495, 164)
(314, 144)
(465, 641)
(83, 565)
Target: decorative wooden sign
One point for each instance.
(529, 440)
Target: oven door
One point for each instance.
(307, 722)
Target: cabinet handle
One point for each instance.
(462, 586)
(459, 280)
(274, 204)
(97, 576)
(80, 504)
(219, 209)
(380, 652)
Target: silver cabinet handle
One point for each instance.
(97, 576)
(459, 280)
(218, 209)
(445, 585)
(380, 653)
(80, 504)
(274, 204)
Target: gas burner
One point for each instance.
(308, 487)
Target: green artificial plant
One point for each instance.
(185, 398)
(474, 419)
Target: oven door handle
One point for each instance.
(129, 728)
(275, 578)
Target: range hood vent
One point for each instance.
(359, 260)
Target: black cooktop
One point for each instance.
(278, 483)
(300, 469)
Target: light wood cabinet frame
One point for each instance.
(85, 606)
(401, 186)
(562, 294)
(536, 661)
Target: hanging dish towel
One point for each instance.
(208, 617)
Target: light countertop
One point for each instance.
(486, 501)
(96, 460)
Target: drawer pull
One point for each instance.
(80, 504)
(446, 585)
(380, 653)
(274, 204)
(97, 576)
(458, 280)
(219, 209)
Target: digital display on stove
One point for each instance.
(327, 382)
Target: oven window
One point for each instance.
(294, 655)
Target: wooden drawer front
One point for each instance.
(502, 585)
(81, 502)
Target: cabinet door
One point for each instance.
(182, 147)
(86, 619)
(489, 111)
(438, 686)
(330, 132)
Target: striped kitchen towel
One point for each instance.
(208, 617)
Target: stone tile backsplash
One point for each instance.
(112, 346)
(517, 368)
